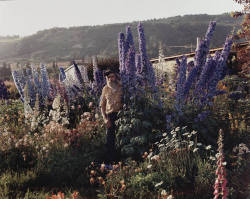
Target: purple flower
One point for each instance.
(202, 116)
(235, 95)
(203, 48)
(181, 79)
(204, 76)
(62, 75)
(45, 84)
(220, 67)
(121, 48)
(179, 100)
(190, 65)
(190, 80)
(78, 74)
(99, 81)
(147, 69)
(138, 63)
(31, 88)
(142, 48)
(129, 40)
(19, 83)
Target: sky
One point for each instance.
(26, 17)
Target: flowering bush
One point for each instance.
(175, 167)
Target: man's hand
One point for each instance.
(107, 122)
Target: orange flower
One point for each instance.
(74, 195)
(92, 172)
(123, 188)
(92, 180)
(122, 182)
(100, 180)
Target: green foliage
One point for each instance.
(181, 172)
(138, 127)
(12, 116)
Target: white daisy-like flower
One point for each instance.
(189, 135)
(149, 155)
(164, 134)
(170, 197)
(149, 166)
(159, 184)
(163, 192)
(196, 149)
(155, 157)
(177, 128)
(224, 163)
(217, 155)
(212, 158)
(194, 132)
(208, 147)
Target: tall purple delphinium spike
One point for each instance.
(99, 81)
(130, 71)
(17, 80)
(84, 72)
(37, 84)
(210, 31)
(31, 88)
(130, 62)
(121, 48)
(204, 76)
(203, 48)
(224, 54)
(218, 74)
(190, 79)
(129, 40)
(45, 84)
(180, 84)
(142, 49)
(78, 74)
(36, 79)
(147, 69)
(177, 69)
(62, 75)
(138, 63)
(190, 65)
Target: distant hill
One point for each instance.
(80, 42)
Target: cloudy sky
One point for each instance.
(26, 17)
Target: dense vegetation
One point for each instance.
(53, 138)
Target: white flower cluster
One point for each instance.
(180, 138)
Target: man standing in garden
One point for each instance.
(111, 103)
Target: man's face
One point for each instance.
(111, 77)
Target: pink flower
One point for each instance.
(221, 181)
(91, 104)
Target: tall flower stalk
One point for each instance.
(200, 86)
(45, 84)
(220, 185)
